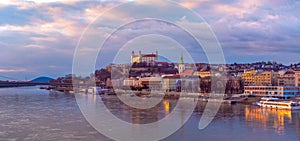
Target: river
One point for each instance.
(28, 113)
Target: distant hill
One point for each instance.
(42, 80)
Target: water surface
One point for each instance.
(29, 113)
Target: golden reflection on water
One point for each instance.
(166, 104)
(265, 117)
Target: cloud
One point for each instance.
(12, 70)
(34, 46)
(42, 36)
(255, 30)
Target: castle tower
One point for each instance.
(132, 56)
(140, 57)
(181, 66)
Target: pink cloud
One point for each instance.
(193, 3)
(12, 70)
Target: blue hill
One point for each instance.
(42, 80)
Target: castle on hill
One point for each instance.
(148, 58)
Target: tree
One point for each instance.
(102, 74)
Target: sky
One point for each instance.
(39, 38)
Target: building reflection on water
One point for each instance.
(269, 118)
(284, 123)
(138, 116)
(166, 104)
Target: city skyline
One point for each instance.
(39, 38)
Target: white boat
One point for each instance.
(278, 104)
(270, 99)
(97, 90)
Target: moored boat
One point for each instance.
(98, 91)
(275, 103)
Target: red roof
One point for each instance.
(188, 72)
(203, 70)
(172, 76)
(149, 55)
(163, 63)
(150, 79)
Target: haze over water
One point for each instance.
(32, 114)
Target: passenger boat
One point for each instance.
(275, 103)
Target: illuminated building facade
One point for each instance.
(148, 58)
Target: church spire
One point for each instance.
(181, 66)
(181, 59)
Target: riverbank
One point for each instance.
(204, 97)
(5, 84)
(250, 100)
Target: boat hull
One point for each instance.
(279, 107)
